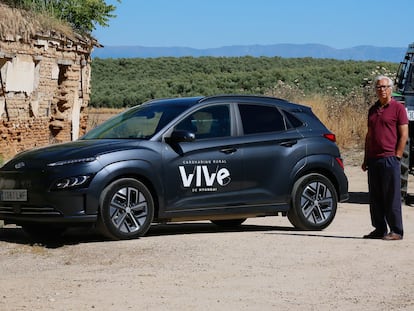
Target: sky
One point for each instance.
(204, 24)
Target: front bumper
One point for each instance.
(43, 206)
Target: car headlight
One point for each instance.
(72, 182)
(72, 161)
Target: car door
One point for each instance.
(203, 176)
(271, 147)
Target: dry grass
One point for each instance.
(347, 121)
(345, 116)
(17, 23)
(24, 24)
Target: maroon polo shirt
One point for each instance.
(383, 123)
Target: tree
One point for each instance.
(82, 15)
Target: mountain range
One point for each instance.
(359, 53)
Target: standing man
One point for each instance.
(384, 146)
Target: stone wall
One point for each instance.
(44, 91)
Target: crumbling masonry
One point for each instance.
(44, 89)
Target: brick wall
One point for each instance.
(16, 136)
(44, 92)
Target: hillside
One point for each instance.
(359, 53)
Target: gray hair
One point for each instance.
(382, 77)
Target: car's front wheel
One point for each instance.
(314, 202)
(127, 209)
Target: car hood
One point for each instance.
(79, 149)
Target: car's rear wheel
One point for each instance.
(314, 202)
(228, 223)
(127, 209)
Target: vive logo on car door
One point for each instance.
(201, 179)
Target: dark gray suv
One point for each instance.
(220, 158)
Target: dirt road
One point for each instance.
(264, 265)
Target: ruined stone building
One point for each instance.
(44, 83)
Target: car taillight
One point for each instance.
(330, 136)
(340, 162)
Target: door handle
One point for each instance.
(289, 143)
(228, 150)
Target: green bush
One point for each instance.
(125, 82)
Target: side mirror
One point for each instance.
(180, 136)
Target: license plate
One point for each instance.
(13, 195)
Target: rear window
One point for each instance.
(294, 122)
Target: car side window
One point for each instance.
(209, 122)
(261, 119)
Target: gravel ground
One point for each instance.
(263, 265)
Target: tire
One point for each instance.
(126, 210)
(43, 232)
(405, 169)
(229, 223)
(314, 202)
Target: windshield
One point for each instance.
(141, 122)
(409, 88)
